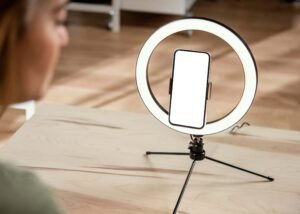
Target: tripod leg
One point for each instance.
(167, 153)
(239, 168)
(184, 186)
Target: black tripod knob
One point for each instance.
(196, 149)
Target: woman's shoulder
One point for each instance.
(23, 192)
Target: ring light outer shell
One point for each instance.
(221, 31)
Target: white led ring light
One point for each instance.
(223, 32)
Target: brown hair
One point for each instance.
(12, 15)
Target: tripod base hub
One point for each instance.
(196, 150)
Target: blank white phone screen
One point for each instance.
(189, 89)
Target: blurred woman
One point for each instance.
(32, 34)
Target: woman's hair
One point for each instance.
(12, 15)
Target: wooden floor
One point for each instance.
(98, 68)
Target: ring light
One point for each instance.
(223, 32)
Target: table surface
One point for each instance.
(94, 160)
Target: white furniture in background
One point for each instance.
(113, 10)
(175, 7)
(172, 7)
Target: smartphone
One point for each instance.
(188, 89)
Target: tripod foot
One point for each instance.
(184, 187)
(167, 153)
(239, 168)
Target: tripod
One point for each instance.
(197, 153)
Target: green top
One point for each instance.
(21, 192)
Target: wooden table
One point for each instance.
(94, 159)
